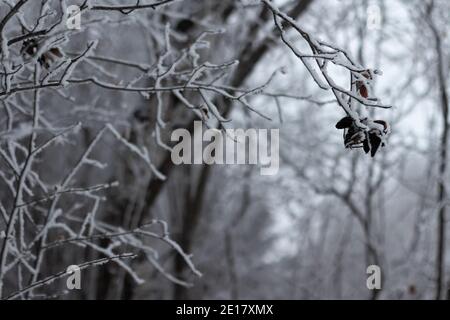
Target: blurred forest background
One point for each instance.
(86, 176)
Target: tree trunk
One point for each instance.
(443, 101)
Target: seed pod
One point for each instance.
(363, 91)
(345, 122)
(384, 124)
(375, 142)
(30, 48)
(366, 145)
(367, 74)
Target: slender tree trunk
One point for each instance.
(191, 218)
(443, 158)
(231, 262)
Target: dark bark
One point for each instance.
(443, 157)
(191, 216)
(440, 261)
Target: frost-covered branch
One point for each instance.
(361, 131)
(63, 273)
